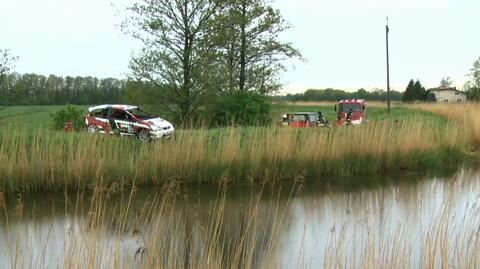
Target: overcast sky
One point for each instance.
(343, 41)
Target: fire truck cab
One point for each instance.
(351, 112)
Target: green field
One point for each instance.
(30, 117)
(33, 117)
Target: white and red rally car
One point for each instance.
(126, 120)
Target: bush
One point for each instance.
(242, 108)
(68, 113)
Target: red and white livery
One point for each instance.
(127, 120)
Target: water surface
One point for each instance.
(307, 223)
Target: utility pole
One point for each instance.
(388, 69)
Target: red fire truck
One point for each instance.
(351, 112)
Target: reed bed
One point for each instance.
(52, 160)
(445, 244)
(168, 231)
(163, 232)
(466, 115)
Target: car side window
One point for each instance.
(129, 117)
(96, 113)
(113, 113)
(119, 114)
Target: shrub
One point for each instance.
(242, 108)
(68, 113)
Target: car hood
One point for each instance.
(159, 122)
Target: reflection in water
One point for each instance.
(398, 220)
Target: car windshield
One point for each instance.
(297, 117)
(138, 113)
(313, 117)
(346, 107)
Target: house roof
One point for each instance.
(440, 89)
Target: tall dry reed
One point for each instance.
(467, 115)
(163, 232)
(51, 160)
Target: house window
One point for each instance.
(457, 93)
(459, 100)
(445, 101)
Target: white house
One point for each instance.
(446, 95)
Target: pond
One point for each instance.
(401, 221)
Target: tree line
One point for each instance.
(34, 89)
(335, 95)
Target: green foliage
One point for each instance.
(7, 61)
(446, 82)
(68, 113)
(475, 73)
(142, 92)
(242, 108)
(472, 87)
(250, 55)
(414, 91)
(201, 47)
(473, 93)
(174, 51)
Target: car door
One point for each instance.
(123, 121)
(99, 119)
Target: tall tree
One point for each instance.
(446, 82)
(420, 92)
(472, 87)
(475, 73)
(173, 54)
(7, 62)
(414, 91)
(247, 33)
(408, 95)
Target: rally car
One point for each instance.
(127, 120)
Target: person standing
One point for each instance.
(348, 119)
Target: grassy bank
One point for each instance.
(53, 160)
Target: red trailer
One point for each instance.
(301, 119)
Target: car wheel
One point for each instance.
(92, 129)
(144, 135)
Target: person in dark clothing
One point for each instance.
(321, 119)
(348, 119)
